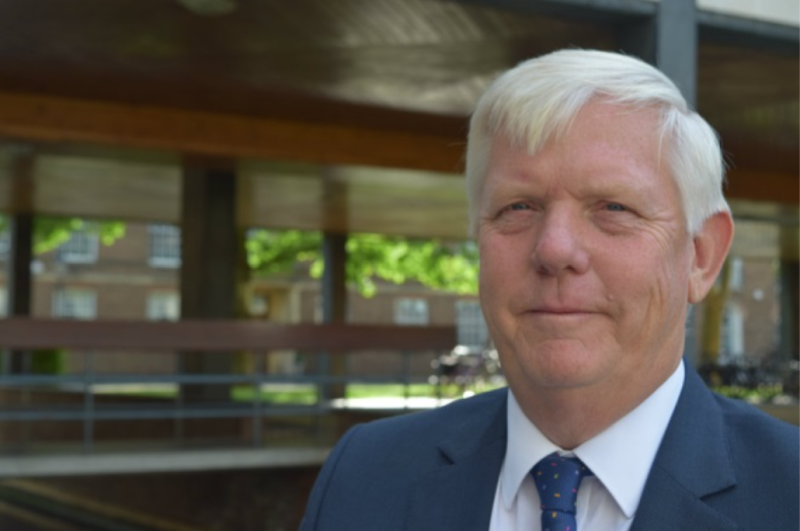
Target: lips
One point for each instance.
(559, 311)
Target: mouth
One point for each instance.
(559, 312)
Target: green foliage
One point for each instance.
(47, 361)
(50, 231)
(272, 252)
(763, 393)
(439, 265)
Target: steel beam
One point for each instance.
(748, 33)
(667, 40)
(592, 10)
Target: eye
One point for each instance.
(616, 207)
(518, 206)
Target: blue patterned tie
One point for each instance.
(557, 480)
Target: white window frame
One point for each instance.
(74, 303)
(736, 279)
(471, 328)
(81, 248)
(163, 306)
(164, 245)
(5, 243)
(411, 311)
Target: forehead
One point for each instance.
(604, 144)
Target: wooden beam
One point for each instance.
(218, 335)
(754, 185)
(55, 119)
(51, 119)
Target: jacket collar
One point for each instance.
(459, 494)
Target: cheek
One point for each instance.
(653, 290)
(500, 276)
(505, 251)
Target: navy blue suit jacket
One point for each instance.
(722, 466)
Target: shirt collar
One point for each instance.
(620, 457)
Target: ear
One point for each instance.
(711, 246)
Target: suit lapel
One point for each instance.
(692, 462)
(459, 495)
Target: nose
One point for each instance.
(560, 246)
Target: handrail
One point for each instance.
(215, 335)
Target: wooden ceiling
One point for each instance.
(344, 115)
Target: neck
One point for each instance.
(570, 417)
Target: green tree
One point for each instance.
(441, 265)
(51, 231)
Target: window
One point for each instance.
(81, 248)
(732, 334)
(5, 243)
(163, 306)
(470, 324)
(3, 301)
(409, 311)
(736, 280)
(75, 303)
(165, 245)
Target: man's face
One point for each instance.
(585, 258)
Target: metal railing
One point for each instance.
(38, 401)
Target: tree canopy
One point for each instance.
(441, 265)
(448, 266)
(51, 231)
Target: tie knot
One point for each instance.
(557, 480)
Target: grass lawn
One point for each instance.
(307, 394)
(304, 394)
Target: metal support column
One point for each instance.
(210, 250)
(18, 273)
(669, 41)
(789, 347)
(334, 302)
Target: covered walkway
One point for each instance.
(341, 116)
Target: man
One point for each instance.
(595, 196)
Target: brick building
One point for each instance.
(137, 278)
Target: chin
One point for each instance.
(563, 364)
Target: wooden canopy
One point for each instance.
(346, 115)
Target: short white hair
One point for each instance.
(538, 99)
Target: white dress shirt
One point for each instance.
(620, 457)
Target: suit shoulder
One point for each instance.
(445, 419)
(377, 464)
(753, 430)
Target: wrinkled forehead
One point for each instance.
(607, 146)
(534, 130)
